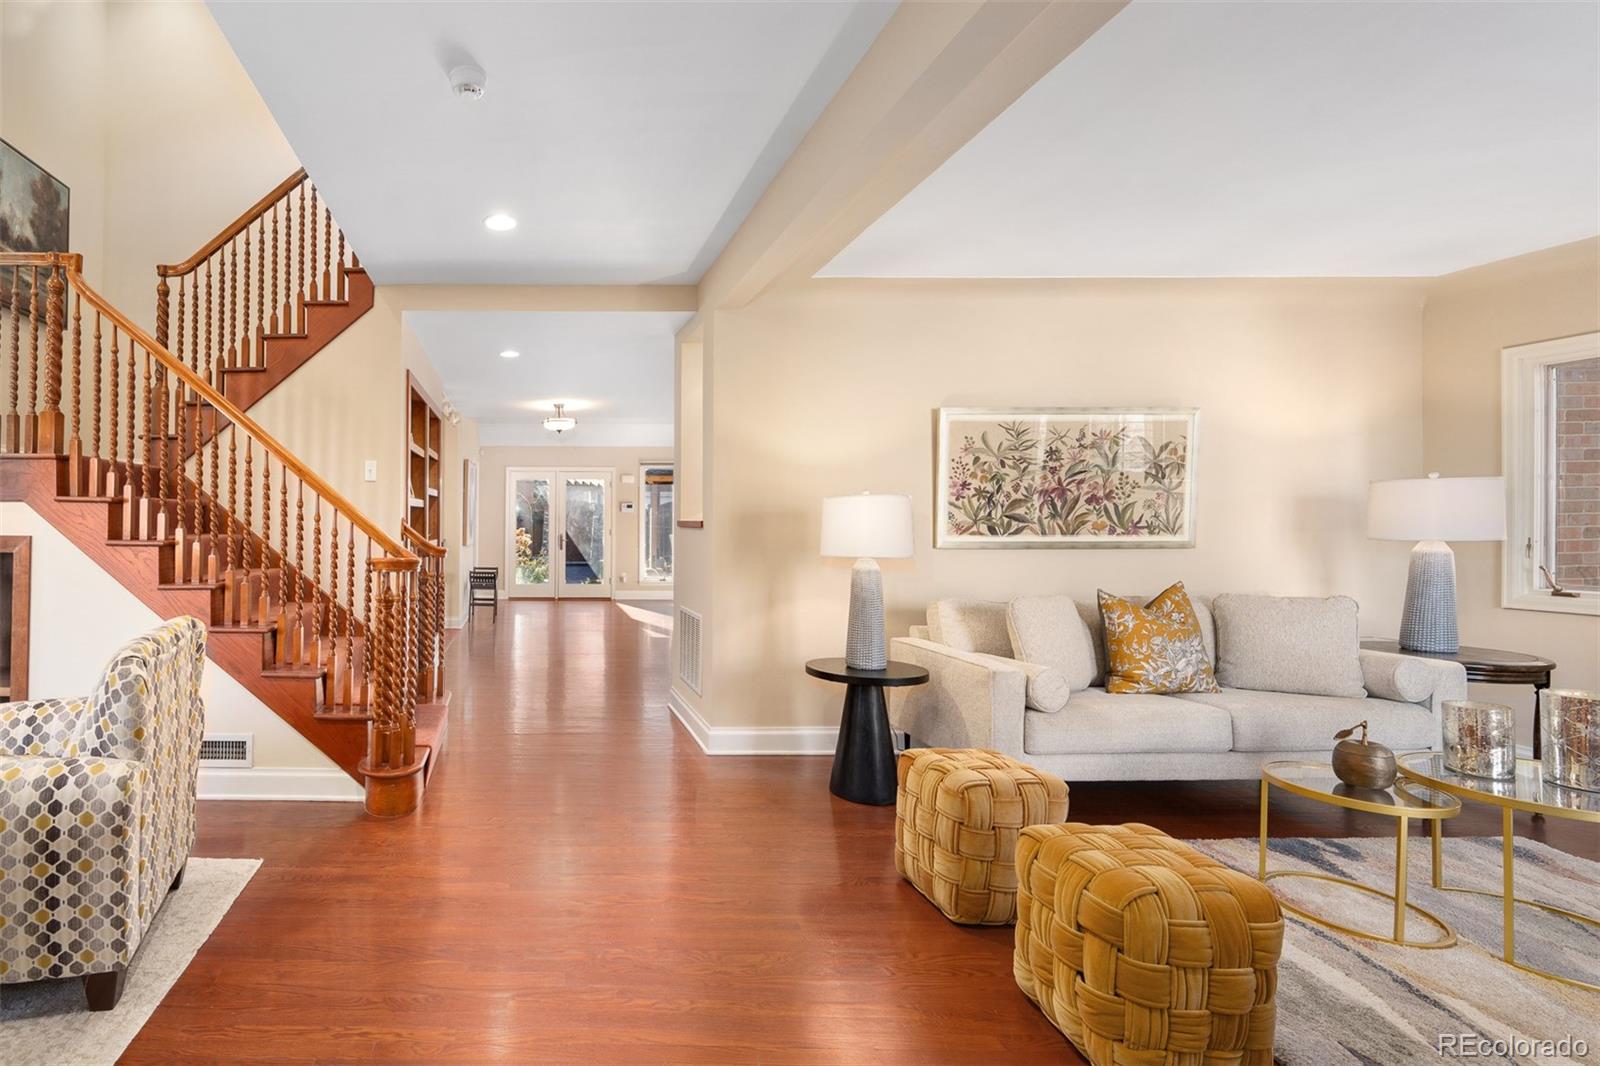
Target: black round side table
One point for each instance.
(863, 760)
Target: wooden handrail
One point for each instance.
(73, 263)
(424, 545)
(232, 230)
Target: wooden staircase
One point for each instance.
(329, 620)
(259, 299)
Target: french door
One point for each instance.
(558, 533)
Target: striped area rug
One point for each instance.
(1343, 999)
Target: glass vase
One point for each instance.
(1569, 747)
(1480, 739)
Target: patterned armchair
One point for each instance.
(97, 799)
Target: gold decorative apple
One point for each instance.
(1362, 763)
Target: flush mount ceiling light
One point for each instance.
(509, 354)
(560, 422)
(500, 222)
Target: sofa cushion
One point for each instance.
(1049, 631)
(970, 625)
(1047, 690)
(1305, 644)
(1396, 677)
(1291, 721)
(1096, 722)
(1156, 646)
(1089, 611)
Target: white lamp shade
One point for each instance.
(1437, 508)
(867, 526)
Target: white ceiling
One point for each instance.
(613, 369)
(628, 139)
(1273, 139)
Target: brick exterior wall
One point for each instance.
(1576, 388)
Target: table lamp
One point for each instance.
(1431, 511)
(866, 527)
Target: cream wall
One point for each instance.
(70, 647)
(147, 115)
(624, 526)
(1307, 391)
(1469, 317)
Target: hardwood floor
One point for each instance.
(583, 884)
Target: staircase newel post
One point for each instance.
(391, 769)
(51, 435)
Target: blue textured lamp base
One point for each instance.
(864, 646)
(1429, 621)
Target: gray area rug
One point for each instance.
(1342, 999)
(47, 1022)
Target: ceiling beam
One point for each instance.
(936, 75)
(541, 297)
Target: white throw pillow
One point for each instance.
(1305, 644)
(1048, 630)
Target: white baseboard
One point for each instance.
(754, 739)
(455, 621)
(644, 594)
(277, 783)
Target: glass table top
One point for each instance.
(1317, 780)
(1526, 791)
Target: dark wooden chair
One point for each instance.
(483, 587)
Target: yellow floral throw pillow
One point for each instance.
(1155, 647)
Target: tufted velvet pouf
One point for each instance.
(957, 816)
(1142, 950)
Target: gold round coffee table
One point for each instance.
(1526, 791)
(1403, 801)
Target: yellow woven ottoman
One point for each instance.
(1142, 950)
(957, 816)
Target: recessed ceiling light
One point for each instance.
(500, 222)
(509, 354)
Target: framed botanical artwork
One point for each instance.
(469, 503)
(33, 216)
(1062, 477)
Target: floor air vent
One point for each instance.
(228, 749)
(687, 633)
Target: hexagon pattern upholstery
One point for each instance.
(97, 804)
(1142, 950)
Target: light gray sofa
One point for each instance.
(1294, 654)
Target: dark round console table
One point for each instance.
(1490, 666)
(863, 760)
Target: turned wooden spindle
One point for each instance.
(96, 465)
(145, 519)
(300, 269)
(283, 567)
(327, 252)
(75, 469)
(297, 645)
(214, 518)
(264, 549)
(230, 547)
(317, 600)
(341, 291)
(202, 525)
(184, 518)
(246, 331)
(273, 326)
(366, 626)
(210, 377)
(11, 426)
(331, 603)
(316, 215)
(261, 292)
(30, 421)
(131, 474)
(347, 687)
(50, 434)
(113, 486)
(194, 327)
(231, 355)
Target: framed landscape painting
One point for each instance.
(33, 215)
(1056, 477)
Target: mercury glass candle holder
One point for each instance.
(1569, 745)
(1480, 739)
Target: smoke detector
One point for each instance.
(468, 81)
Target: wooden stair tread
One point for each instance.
(343, 714)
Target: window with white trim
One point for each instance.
(1551, 411)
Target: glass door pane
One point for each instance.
(585, 566)
(531, 527)
(655, 524)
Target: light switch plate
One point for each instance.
(370, 471)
